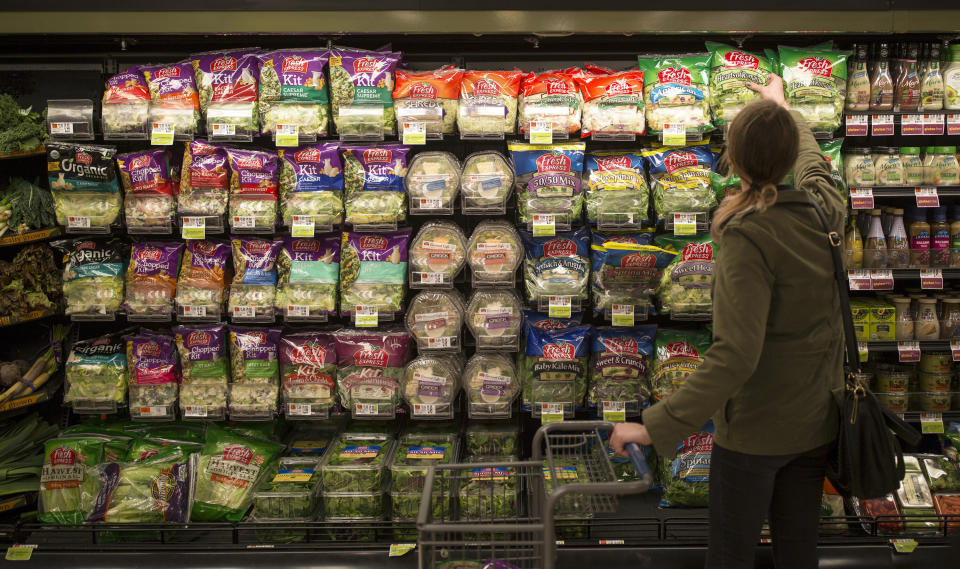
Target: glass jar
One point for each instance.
(928, 324)
(912, 165)
(950, 323)
(903, 329)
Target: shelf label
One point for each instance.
(153, 411)
(622, 315)
(61, 128)
(191, 311)
(902, 545)
(551, 413)
(431, 203)
(559, 307)
(684, 224)
(78, 222)
(911, 125)
(194, 228)
(908, 351)
(224, 129)
(674, 134)
(244, 311)
(881, 279)
(541, 132)
(365, 316)
(298, 409)
(861, 198)
(933, 124)
(302, 226)
(243, 222)
(931, 279)
(953, 124)
(881, 125)
(863, 350)
(194, 410)
(414, 133)
(424, 409)
(931, 423)
(611, 542)
(859, 279)
(161, 134)
(399, 549)
(298, 311)
(857, 125)
(927, 197)
(288, 135)
(440, 343)
(367, 409)
(431, 278)
(614, 411)
(955, 350)
(20, 552)
(544, 225)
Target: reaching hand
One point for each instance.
(625, 433)
(772, 91)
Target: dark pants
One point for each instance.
(745, 489)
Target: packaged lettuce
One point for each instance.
(254, 363)
(308, 371)
(730, 71)
(680, 179)
(617, 192)
(815, 84)
(173, 93)
(152, 491)
(293, 90)
(620, 366)
(373, 178)
(83, 181)
(255, 277)
(92, 275)
(490, 381)
(152, 278)
(253, 189)
(154, 376)
(557, 266)
(149, 202)
(203, 364)
(373, 271)
(357, 463)
(678, 354)
(370, 367)
(486, 182)
(228, 470)
(227, 83)
(686, 284)
(204, 179)
(554, 370)
(361, 83)
(311, 184)
(96, 374)
(551, 96)
(488, 102)
(309, 270)
(686, 478)
(203, 277)
(146, 448)
(676, 90)
(69, 482)
(431, 97)
(494, 252)
(430, 386)
(435, 318)
(612, 101)
(626, 270)
(440, 247)
(548, 182)
(126, 103)
(494, 317)
(433, 181)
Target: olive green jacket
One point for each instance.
(777, 348)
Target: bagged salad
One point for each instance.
(228, 85)
(435, 319)
(96, 374)
(69, 481)
(228, 470)
(255, 368)
(617, 192)
(361, 83)
(676, 90)
(126, 104)
(370, 367)
(680, 180)
(554, 370)
(92, 275)
(679, 353)
(548, 182)
(152, 278)
(174, 97)
(311, 183)
(612, 101)
(150, 198)
(685, 289)
(431, 97)
(488, 102)
(494, 317)
(686, 478)
(373, 179)
(438, 253)
(373, 271)
(730, 71)
(155, 490)
(620, 366)
(154, 376)
(551, 96)
(293, 90)
(204, 179)
(309, 270)
(430, 386)
(202, 283)
(253, 189)
(494, 252)
(83, 181)
(815, 84)
(432, 182)
(254, 288)
(557, 266)
(203, 364)
(490, 381)
(486, 182)
(308, 372)
(627, 269)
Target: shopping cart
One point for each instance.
(504, 514)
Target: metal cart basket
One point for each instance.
(502, 515)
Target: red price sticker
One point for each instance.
(908, 351)
(881, 125)
(859, 279)
(955, 350)
(953, 124)
(861, 198)
(857, 125)
(931, 279)
(933, 124)
(881, 279)
(911, 125)
(927, 197)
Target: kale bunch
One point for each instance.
(21, 130)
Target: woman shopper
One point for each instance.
(777, 351)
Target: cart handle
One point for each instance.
(639, 460)
(644, 474)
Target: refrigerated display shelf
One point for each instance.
(908, 191)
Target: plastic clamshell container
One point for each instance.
(415, 455)
(931, 402)
(354, 506)
(292, 493)
(497, 439)
(70, 119)
(357, 463)
(883, 510)
(914, 492)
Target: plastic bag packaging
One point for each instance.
(488, 102)
(293, 90)
(676, 90)
(204, 369)
(686, 478)
(253, 189)
(551, 96)
(174, 96)
(309, 270)
(311, 183)
(150, 203)
(685, 289)
(435, 318)
(554, 370)
(730, 71)
(203, 276)
(131, 491)
(92, 275)
(83, 181)
(439, 248)
(557, 266)
(627, 269)
(370, 367)
(308, 369)
(431, 97)
(548, 182)
(204, 180)
(612, 102)
(679, 353)
(69, 481)
(620, 365)
(255, 276)
(228, 88)
(373, 271)
(361, 78)
(680, 180)
(126, 104)
(152, 278)
(815, 84)
(255, 368)
(96, 374)
(373, 178)
(154, 376)
(617, 192)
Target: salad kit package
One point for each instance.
(685, 289)
(494, 253)
(370, 367)
(431, 97)
(627, 269)
(437, 254)
(557, 266)
(373, 178)
(619, 368)
(227, 83)
(254, 288)
(678, 354)
(554, 97)
(149, 203)
(676, 90)
(309, 270)
(228, 470)
(126, 105)
(730, 71)
(554, 372)
(485, 183)
(83, 181)
(253, 190)
(815, 84)
(686, 478)
(204, 369)
(96, 375)
(311, 184)
(373, 272)
(432, 182)
(435, 319)
(255, 369)
(680, 179)
(155, 490)
(430, 386)
(152, 279)
(612, 102)
(494, 317)
(92, 276)
(617, 192)
(488, 102)
(174, 97)
(154, 376)
(548, 182)
(69, 481)
(293, 91)
(308, 372)
(490, 381)
(202, 285)
(204, 180)
(361, 84)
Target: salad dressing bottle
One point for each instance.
(858, 83)
(854, 245)
(955, 237)
(881, 84)
(931, 86)
(919, 239)
(875, 247)
(898, 244)
(940, 238)
(908, 84)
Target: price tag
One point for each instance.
(611, 542)
(559, 307)
(551, 412)
(614, 411)
(399, 549)
(684, 224)
(859, 279)
(674, 134)
(622, 315)
(857, 125)
(161, 134)
(544, 225)
(78, 222)
(541, 132)
(61, 128)
(424, 409)
(927, 197)
(243, 222)
(288, 135)
(190, 311)
(194, 228)
(931, 423)
(908, 351)
(431, 203)
(153, 411)
(431, 278)
(881, 125)
(861, 198)
(20, 552)
(414, 133)
(953, 124)
(441, 343)
(244, 311)
(367, 409)
(302, 226)
(881, 279)
(904, 545)
(931, 279)
(224, 129)
(863, 350)
(298, 409)
(298, 311)
(365, 316)
(194, 410)
(911, 125)
(933, 124)
(955, 350)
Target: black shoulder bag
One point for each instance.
(868, 459)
